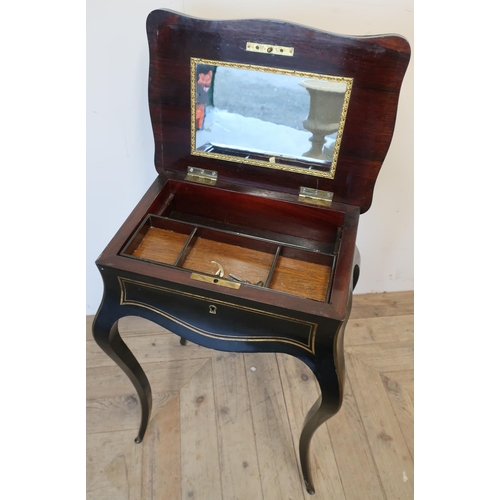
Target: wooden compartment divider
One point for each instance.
(179, 262)
(282, 266)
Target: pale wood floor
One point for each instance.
(226, 426)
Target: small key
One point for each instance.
(239, 280)
(246, 282)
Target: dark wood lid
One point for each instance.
(375, 63)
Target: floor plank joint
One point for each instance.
(226, 426)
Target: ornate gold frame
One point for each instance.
(330, 174)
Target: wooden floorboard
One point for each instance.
(226, 426)
(239, 465)
(279, 469)
(301, 391)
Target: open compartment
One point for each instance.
(299, 225)
(158, 240)
(303, 273)
(282, 247)
(244, 260)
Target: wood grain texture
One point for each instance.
(360, 477)
(390, 452)
(160, 245)
(297, 277)
(301, 391)
(382, 304)
(108, 381)
(151, 347)
(240, 441)
(291, 275)
(200, 465)
(151, 471)
(377, 65)
(240, 473)
(247, 210)
(278, 464)
(379, 329)
(402, 403)
(251, 265)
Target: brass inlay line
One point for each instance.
(240, 338)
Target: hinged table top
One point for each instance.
(273, 104)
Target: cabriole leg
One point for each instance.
(105, 331)
(325, 407)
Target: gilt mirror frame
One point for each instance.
(327, 172)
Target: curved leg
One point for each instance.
(183, 341)
(326, 406)
(105, 331)
(330, 372)
(356, 270)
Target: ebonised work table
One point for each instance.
(269, 137)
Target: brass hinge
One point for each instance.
(201, 175)
(315, 196)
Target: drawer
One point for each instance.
(214, 317)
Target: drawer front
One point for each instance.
(216, 318)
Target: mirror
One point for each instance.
(269, 117)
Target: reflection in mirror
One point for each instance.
(267, 117)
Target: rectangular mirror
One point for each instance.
(269, 117)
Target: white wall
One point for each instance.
(120, 142)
